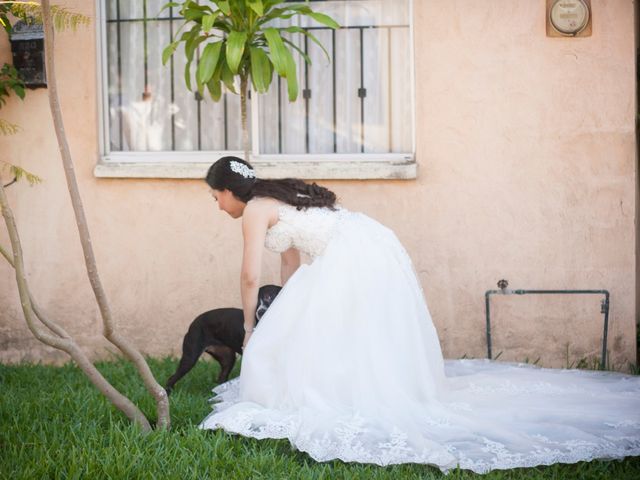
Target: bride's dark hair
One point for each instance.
(238, 176)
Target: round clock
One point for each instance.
(569, 17)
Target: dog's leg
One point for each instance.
(191, 351)
(226, 357)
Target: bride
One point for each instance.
(346, 363)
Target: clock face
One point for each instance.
(569, 16)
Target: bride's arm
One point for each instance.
(254, 229)
(290, 261)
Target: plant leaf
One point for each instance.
(309, 35)
(276, 13)
(19, 90)
(4, 21)
(291, 76)
(238, 9)
(324, 19)
(208, 62)
(193, 14)
(62, 17)
(298, 49)
(194, 5)
(187, 74)
(19, 172)
(168, 51)
(261, 72)
(214, 88)
(199, 86)
(222, 24)
(277, 50)
(191, 45)
(318, 17)
(235, 49)
(189, 38)
(168, 5)
(228, 78)
(224, 6)
(207, 22)
(10, 81)
(7, 128)
(256, 6)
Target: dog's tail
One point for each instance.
(192, 347)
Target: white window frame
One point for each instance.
(185, 164)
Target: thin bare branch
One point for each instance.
(154, 388)
(244, 81)
(66, 344)
(15, 179)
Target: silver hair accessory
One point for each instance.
(242, 169)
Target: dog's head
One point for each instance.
(266, 295)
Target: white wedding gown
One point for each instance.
(346, 364)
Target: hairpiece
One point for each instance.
(242, 169)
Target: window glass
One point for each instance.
(358, 100)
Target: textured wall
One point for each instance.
(526, 153)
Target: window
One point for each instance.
(355, 106)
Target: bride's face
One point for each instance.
(227, 202)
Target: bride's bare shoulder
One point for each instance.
(263, 203)
(263, 207)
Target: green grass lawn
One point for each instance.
(54, 424)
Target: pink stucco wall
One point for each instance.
(527, 171)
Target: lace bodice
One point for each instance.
(308, 230)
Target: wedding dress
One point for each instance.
(346, 364)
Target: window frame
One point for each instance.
(194, 164)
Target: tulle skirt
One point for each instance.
(346, 364)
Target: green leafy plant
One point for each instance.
(11, 83)
(241, 39)
(18, 173)
(31, 12)
(5, 9)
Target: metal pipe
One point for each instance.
(504, 290)
(605, 309)
(486, 306)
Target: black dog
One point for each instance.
(220, 333)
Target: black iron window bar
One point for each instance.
(306, 91)
(504, 290)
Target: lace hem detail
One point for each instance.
(353, 438)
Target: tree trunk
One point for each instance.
(62, 341)
(244, 83)
(160, 395)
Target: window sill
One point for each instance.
(349, 167)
